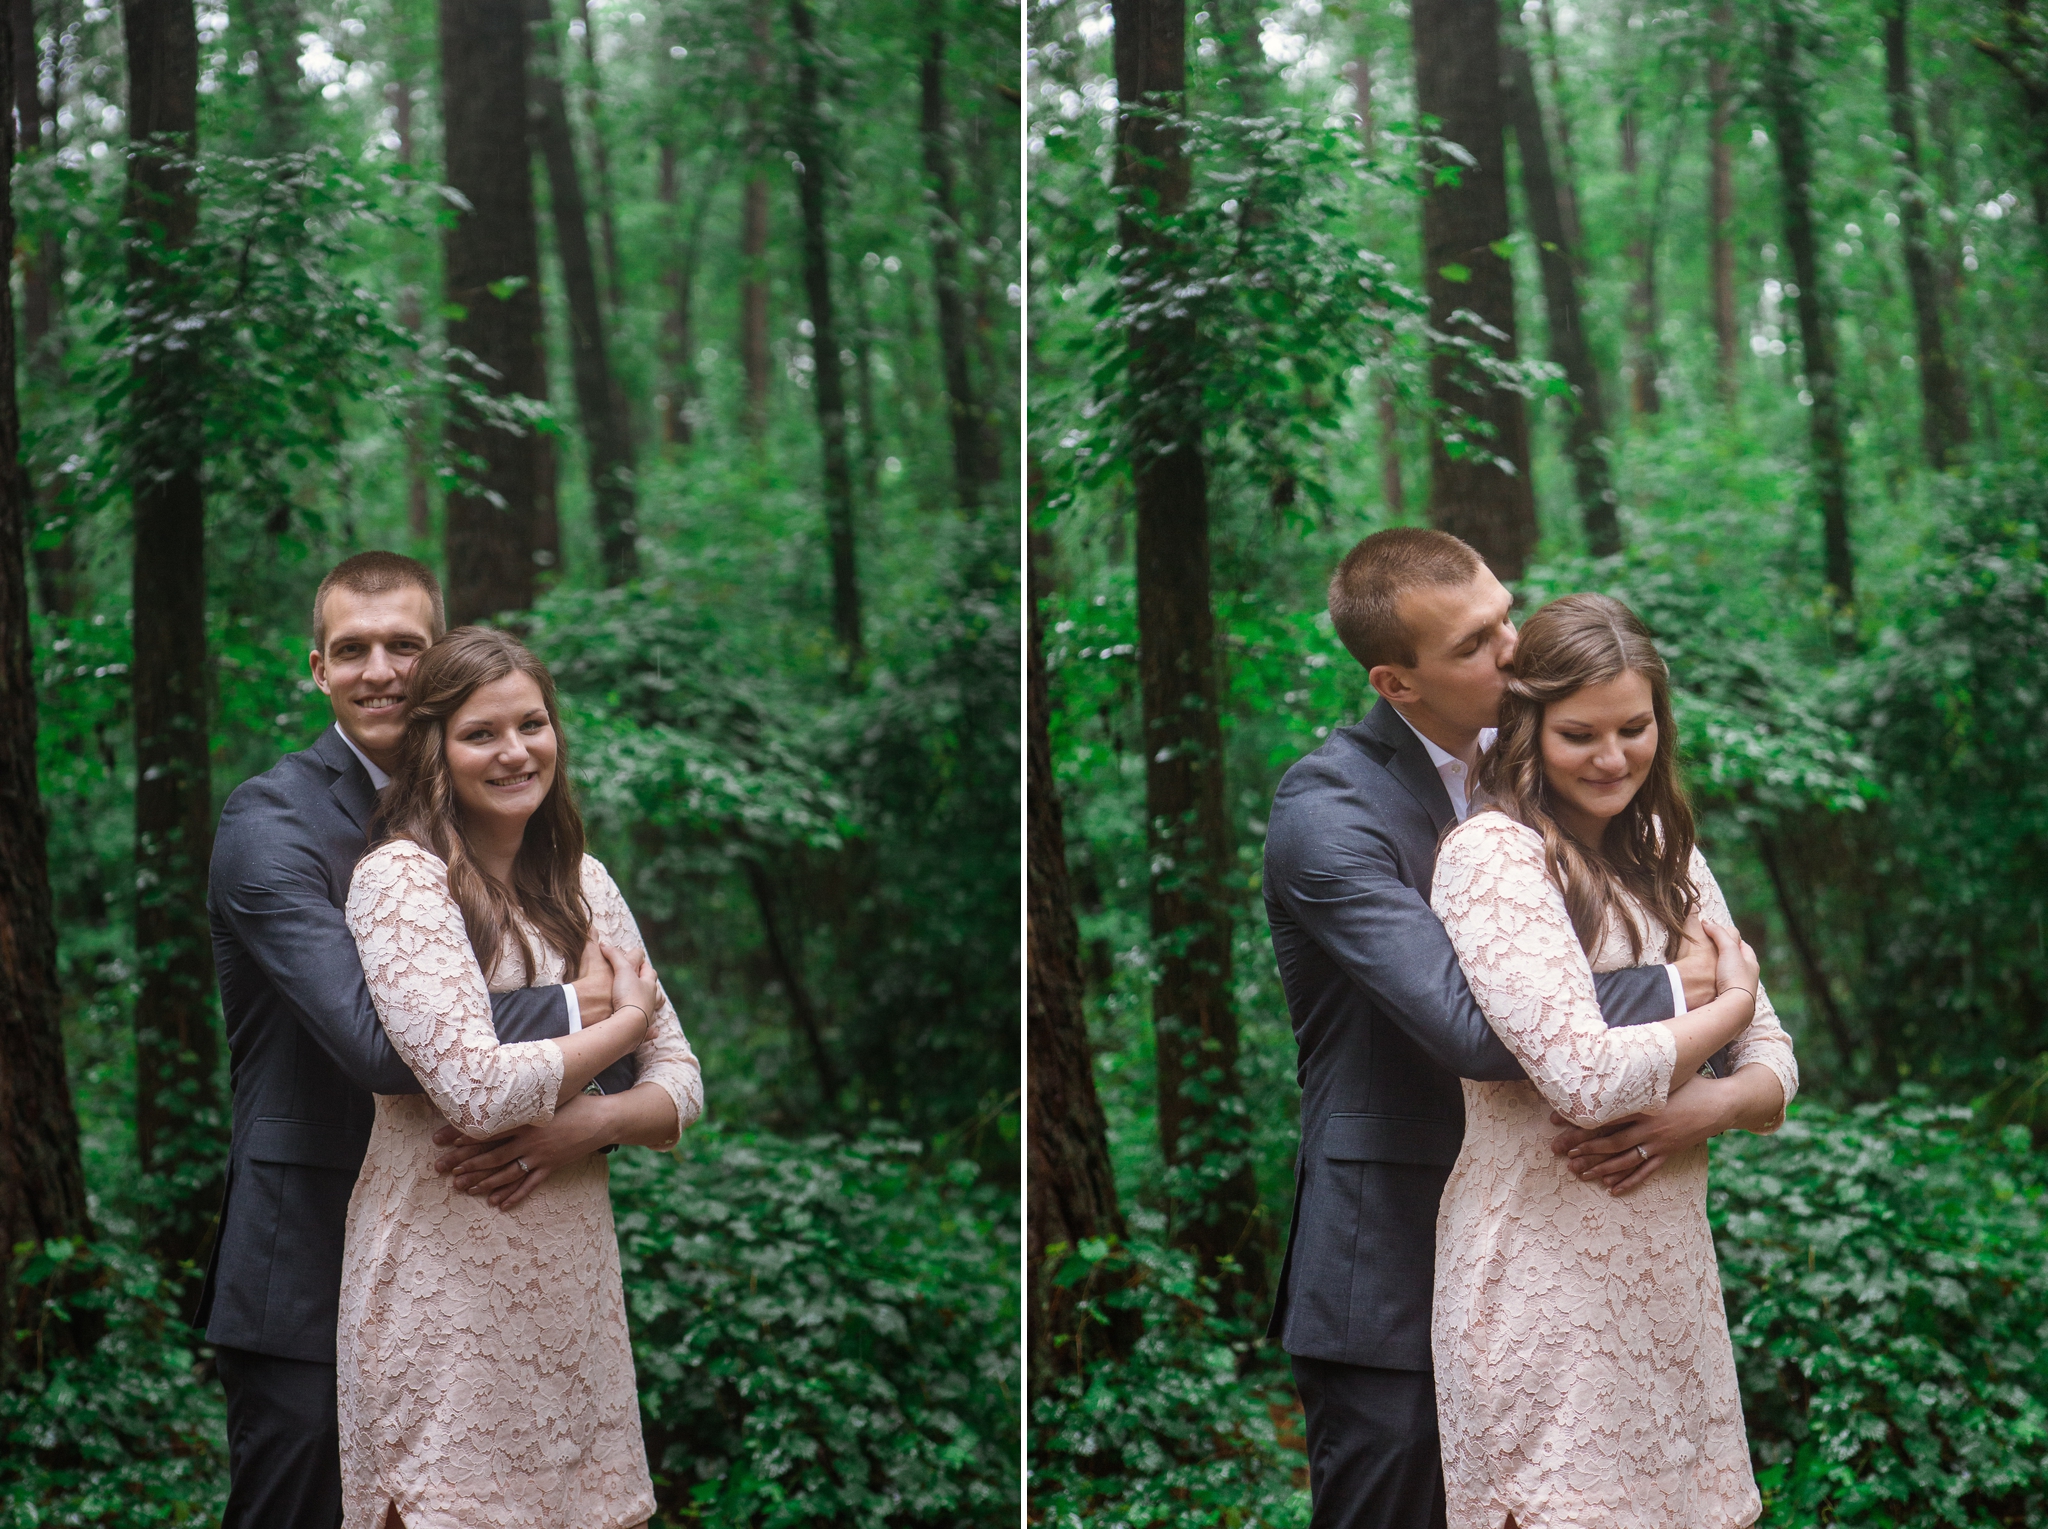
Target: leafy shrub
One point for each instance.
(1887, 1281)
(1197, 1427)
(825, 1331)
(127, 1436)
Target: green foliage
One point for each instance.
(1887, 1281)
(825, 1331)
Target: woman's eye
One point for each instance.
(1635, 732)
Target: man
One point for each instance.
(307, 1051)
(1386, 1025)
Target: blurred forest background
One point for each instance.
(684, 338)
(1736, 310)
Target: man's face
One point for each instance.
(1464, 642)
(372, 643)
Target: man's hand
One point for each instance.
(1699, 1108)
(594, 987)
(582, 1125)
(1695, 963)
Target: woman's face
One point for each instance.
(500, 749)
(1597, 747)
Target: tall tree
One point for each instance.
(42, 1176)
(491, 259)
(1073, 1188)
(418, 500)
(608, 436)
(1721, 203)
(42, 297)
(1479, 448)
(176, 1108)
(1944, 408)
(600, 160)
(1644, 397)
(953, 320)
(2023, 54)
(828, 388)
(1187, 830)
(679, 326)
(1785, 92)
(1568, 177)
(1555, 258)
(270, 29)
(754, 230)
(1386, 405)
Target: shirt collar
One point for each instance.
(1439, 757)
(379, 780)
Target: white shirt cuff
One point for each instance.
(575, 1009)
(1677, 993)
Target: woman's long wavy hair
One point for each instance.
(1569, 644)
(420, 805)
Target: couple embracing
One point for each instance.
(1522, 1011)
(440, 1018)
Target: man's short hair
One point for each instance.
(378, 573)
(1366, 589)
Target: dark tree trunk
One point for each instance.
(754, 237)
(1642, 294)
(42, 295)
(953, 320)
(1392, 494)
(789, 973)
(1569, 347)
(1073, 1189)
(679, 327)
(2021, 55)
(42, 1177)
(863, 338)
(1784, 90)
(1721, 206)
(1187, 830)
(608, 440)
(601, 164)
(807, 137)
(492, 261)
(1568, 179)
(1479, 448)
(176, 1108)
(1944, 408)
(418, 500)
(272, 28)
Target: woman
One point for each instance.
(484, 1369)
(1583, 1370)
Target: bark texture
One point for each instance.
(1073, 1189)
(962, 413)
(1944, 407)
(42, 298)
(42, 1178)
(176, 1109)
(828, 388)
(1479, 449)
(1785, 92)
(1569, 347)
(1644, 397)
(607, 435)
(1214, 1207)
(491, 257)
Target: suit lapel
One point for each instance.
(351, 786)
(1408, 762)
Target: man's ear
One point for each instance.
(316, 661)
(1392, 683)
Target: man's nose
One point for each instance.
(1508, 642)
(379, 667)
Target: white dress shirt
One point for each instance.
(1457, 779)
(380, 779)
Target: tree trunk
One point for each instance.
(1568, 179)
(1721, 206)
(272, 28)
(1784, 91)
(1944, 409)
(600, 164)
(807, 136)
(492, 260)
(679, 328)
(953, 320)
(2023, 57)
(608, 440)
(1213, 1204)
(1073, 1189)
(418, 499)
(1642, 295)
(1568, 344)
(864, 382)
(1392, 494)
(754, 238)
(1479, 448)
(42, 1176)
(42, 297)
(176, 1107)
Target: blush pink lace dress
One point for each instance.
(485, 1376)
(1584, 1375)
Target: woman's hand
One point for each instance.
(1735, 964)
(509, 1168)
(633, 984)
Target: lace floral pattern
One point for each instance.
(485, 1374)
(1584, 1374)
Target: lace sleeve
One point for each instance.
(1765, 1041)
(430, 995)
(1514, 939)
(665, 1057)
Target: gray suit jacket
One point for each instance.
(1386, 1027)
(305, 1048)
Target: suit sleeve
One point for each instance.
(1341, 880)
(270, 889)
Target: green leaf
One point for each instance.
(1458, 273)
